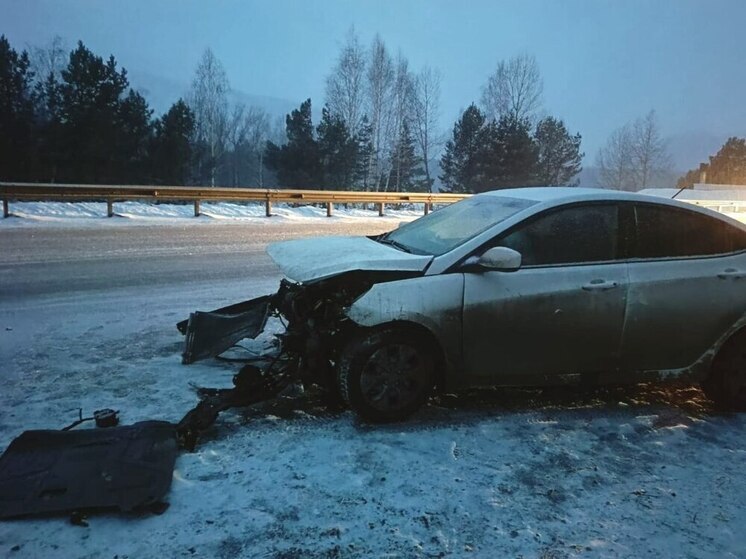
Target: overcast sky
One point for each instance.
(603, 62)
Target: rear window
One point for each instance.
(676, 233)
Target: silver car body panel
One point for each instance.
(678, 309)
(314, 259)
(434, 302)
(544, 320)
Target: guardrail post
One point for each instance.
(196, 208)
(268, 207)
(427, 208)
(109, 208)
(6, 209)
(328, 209)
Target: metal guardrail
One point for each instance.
(17, 191)
(10, 192)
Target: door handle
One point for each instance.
(600, 285)
(732, 273)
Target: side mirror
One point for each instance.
(500, 259)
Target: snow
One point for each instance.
(94, 213)
(510, 473)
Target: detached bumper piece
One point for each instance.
(125, 468)
(251, 386)
(211, 333)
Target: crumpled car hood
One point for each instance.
(309, 260)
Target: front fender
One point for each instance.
(434, 302)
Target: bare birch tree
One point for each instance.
(235, 139)
(649, 151)
(426, 113)
(345, 86)
(380, 78)
(515, 88)
(614, 160)
(258, 132)
(209, 101)
(635, 156)
(50, 59)
(401, 115)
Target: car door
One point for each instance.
(687, 286)
(562, 311)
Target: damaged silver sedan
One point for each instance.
(520, 287)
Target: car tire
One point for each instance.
(387, 374)
(726, 383)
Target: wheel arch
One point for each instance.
(738, 331)
(431, 304)
(440, 359)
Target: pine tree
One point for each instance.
(407, 174)
(103, 132)
(171, 151)
(728, 166)
(507, 156)
(133, 137)
(49, 131)
(337, 151)
(364, 140)
(16, 113)
(297, 163)
(693, 176)
(459, 162)
(559, 153)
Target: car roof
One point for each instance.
(568, 193)
(548, 196)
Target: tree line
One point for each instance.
(81, 122)
(71, 116)
(379, 130)
(727, 166)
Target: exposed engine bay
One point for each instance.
(315, 329)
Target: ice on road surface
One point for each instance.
(87, 320)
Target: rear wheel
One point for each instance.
(726, 383)
(387, 374)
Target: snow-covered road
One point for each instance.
(87, 320)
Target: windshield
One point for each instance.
(451, 226)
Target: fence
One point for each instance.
(111, 194)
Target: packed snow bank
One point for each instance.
(141, 212)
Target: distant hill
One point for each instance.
(162, 92)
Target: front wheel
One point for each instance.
(726, 383)
(387, 374)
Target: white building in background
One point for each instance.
(716, 191)
(729, 199)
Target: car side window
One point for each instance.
(675, 233)
(573, 235)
